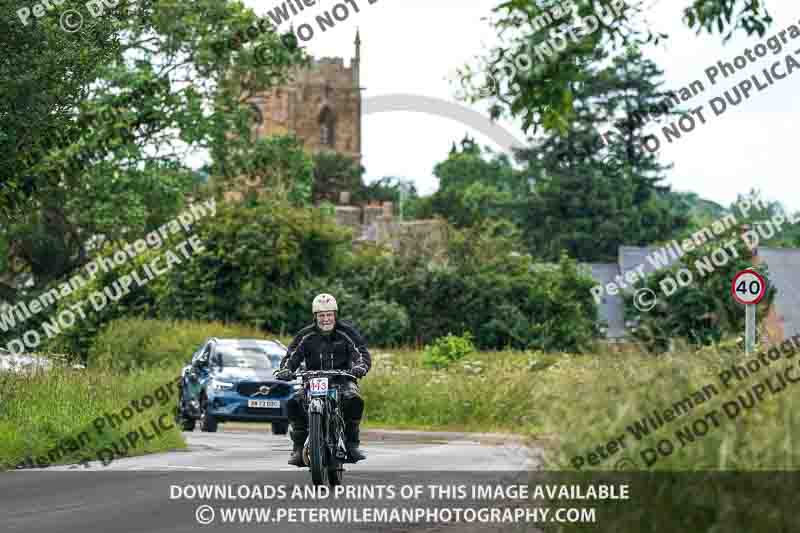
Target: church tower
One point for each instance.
(321, 105)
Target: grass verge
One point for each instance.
(65, 416)
(574, 404)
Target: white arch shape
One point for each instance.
(442, 108)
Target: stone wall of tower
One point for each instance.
(298, 106)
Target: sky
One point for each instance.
(415, 46)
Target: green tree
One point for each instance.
(474, 184)
(257, 265)
(260, 266)
(753, 209)
(387, 189)
(591, 197)
(540, 91)
(107, 159)
(44, 74)
(280, 165)
(333, 173)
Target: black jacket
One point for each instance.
(343, 349)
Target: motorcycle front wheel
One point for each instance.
(319, 470)
(335, 468)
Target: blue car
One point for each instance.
(232, 380)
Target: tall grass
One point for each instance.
(41, 410)
(574, 403)
(144, 343)
(129, 360)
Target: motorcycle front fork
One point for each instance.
(341, 447)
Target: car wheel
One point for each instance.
(280, 428)
(208, 422)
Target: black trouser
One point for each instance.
(352, 410)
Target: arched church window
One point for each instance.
(327, 128)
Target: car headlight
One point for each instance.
(221, 385)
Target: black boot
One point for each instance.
(354, 454)
(299, 439)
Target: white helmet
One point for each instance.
(324, 302)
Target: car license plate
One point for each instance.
(264, 404)
(319, 386)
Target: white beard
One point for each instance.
(328, 327)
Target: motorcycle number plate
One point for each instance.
(318, 386)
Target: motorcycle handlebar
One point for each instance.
(323, 373)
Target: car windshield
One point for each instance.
(246, 358)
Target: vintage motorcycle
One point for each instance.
(325, 451)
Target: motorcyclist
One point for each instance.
(191, 385)
(327, 344)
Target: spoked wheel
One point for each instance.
(336, 466)
(319, 469)
(188, 424)
(335, 474)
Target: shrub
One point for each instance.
(130, 344)
(258, 265)
(384, 323)
(103, 300)
(701, 313)
(446, 350)
(505, 299)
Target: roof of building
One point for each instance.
(630, 257)
(784, 273)
(611, 310)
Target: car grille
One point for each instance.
(250, 388)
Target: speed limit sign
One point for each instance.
(748, 287)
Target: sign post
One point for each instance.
(749, 288)
(749, 328)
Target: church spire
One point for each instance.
(356, 64)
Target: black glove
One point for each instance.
(284, 374)
(359, 371)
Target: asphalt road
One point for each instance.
(257, 449)
(138, 494)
